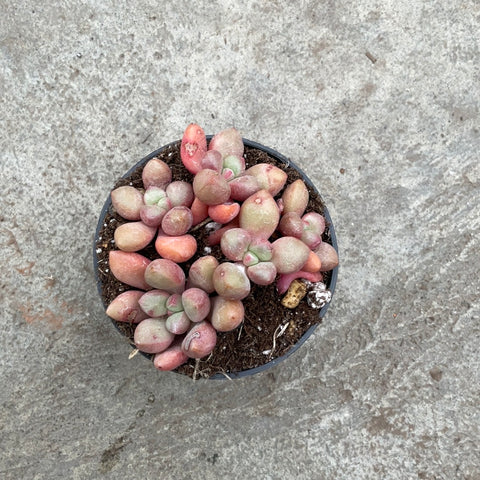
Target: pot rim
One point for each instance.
(333, 279)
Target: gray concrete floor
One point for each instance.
(379, 103)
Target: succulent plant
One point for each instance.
(179, 302)
(255, 253)
(155, 205)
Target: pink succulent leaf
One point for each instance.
(213, 161)
(243, 186)
(235, 243)
(171, 358)
(174, 303)
(180, 194)
(154, 303)
(152, 336)
(125, 307)
(127, 201)
(311, 239)
(156, 173)
(210, 187)
(196, 304)
(315, 222)
(261, 248)
(231, 281)
(291, 225)
(263, 273)
(178, 323)
(234, 164)
(259, 214)
(193, 148)
(328, 256)
(250, 259)
(295, 197)
(227, 142)
(201, 271)
(226, 315)
(270, 177)
(200, 340)
(289, 254)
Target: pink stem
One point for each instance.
(284, 281)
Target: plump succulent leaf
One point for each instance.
(231, 281)
(154, 303)
(193, 148)
(289, 254)
(133, 236)
(127, 201)
(171, 358)
(269, 177)
(156, 173)
(151, 336)
(259, 214)
(201, 273)
(200, 340)
(126, 308)
(228, 142)
(328, 256)
(210, 187)
(196, 304)
(226, 314)
(164, 274)
(129, 268)
(295, 197)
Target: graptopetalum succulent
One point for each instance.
(265, 237)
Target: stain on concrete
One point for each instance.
(111, 455)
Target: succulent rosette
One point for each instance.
(178, 306)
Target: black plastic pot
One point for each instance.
(330, 284)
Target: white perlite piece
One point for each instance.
(213, 226)
(317, 295)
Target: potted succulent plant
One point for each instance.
(215, 256)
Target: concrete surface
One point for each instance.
(385, 92)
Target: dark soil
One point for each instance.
(250, 345)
